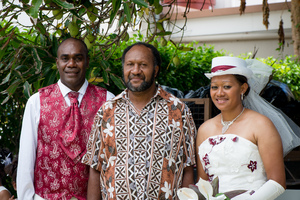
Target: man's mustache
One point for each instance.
(136, 76)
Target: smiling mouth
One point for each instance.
(72, 73)
(221, 100)
(136, 78)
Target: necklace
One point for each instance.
(226, 124)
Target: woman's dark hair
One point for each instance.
(155, 53)
(242, 79)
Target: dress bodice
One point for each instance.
(235, 160)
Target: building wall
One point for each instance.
(226, 29)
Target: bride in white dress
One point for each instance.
(239, 146)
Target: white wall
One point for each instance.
(239, 34)
(236, 3)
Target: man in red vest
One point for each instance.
(56, 125)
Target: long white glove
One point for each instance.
(268, 191)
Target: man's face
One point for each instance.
(72, 63)
(138, 70)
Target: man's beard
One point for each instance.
(143, 86)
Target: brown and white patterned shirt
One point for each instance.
(141, 156)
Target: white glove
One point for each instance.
(268, 191)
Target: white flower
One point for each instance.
(171, 160)
(175, 124)
(206, 190)
(167, 190)
(109, 129)
(111, 190)
(187, 194)
(108, 104)
(176, 100)
(111, 161)
(6, 161)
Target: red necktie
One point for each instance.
(73, 98)
(74, 116)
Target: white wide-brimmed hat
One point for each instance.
(229, 65)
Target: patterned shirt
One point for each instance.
(141, 156)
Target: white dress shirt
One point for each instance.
(28, 140)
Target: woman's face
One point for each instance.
(226, 92)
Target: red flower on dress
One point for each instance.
(212, 141)
(216, 141)
(205, 159)
(210, 177)
(252, 165)
(235, 139)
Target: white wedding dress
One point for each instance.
(234, 160)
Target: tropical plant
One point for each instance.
(103, 25)
(28, 63)
(287, 71)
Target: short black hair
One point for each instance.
(86, 51)
(242, 79)
(155, 53)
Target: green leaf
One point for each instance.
(38, 62)
(113, 36)
(112, 16)
(34, 9)
(215, 186)
(121, 20)
(117, 81)
(5, 100)
(164, 33)
(156, 3)
(63, 4)
(164, 19)
(116, 5)
(41, 28)
(4, 2)
(6, 79)
(141, 3)
(2, 53)
(127, 12)
(105, 77)
(74, 12)
(12, 88)
(50, 78)
(54, 46)
(151, 2)
(160, 26)
(27, 89)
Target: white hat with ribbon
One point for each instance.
(229, 65)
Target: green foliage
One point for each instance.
(188, 75)
(28, 64)
(287, 71)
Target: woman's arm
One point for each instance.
(271, 152)
(270, 149)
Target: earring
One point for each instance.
(242, 96)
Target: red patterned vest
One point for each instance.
(58, 175)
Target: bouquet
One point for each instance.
(203, 190)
